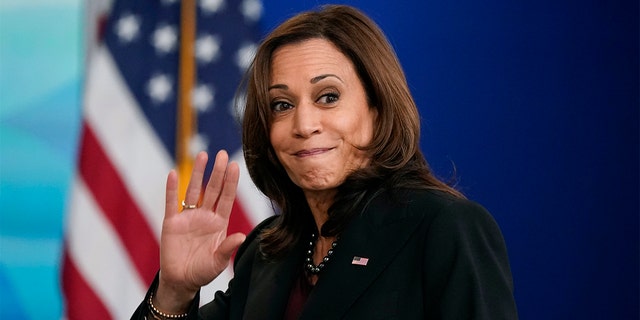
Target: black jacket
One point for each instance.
(431, 256)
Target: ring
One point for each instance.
(188, 206)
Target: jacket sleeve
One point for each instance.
(467, 273)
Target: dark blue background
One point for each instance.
(535, 104)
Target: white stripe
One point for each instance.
(221, 283)
(100, 257)
(255, 203)
(128, 139)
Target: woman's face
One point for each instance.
(320, 114)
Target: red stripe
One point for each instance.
(80, 300)
(104, 182)
(238, 222)
(102, 25)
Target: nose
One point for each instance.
(307, 120)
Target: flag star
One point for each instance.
(198, 142)
(165, 39)
(252, 9)
(211, 6)
(159, 88)
(169, 2)
(128, 27)
(245, 55)
(207, 48)
(202, 98)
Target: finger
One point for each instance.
(195, 183)
(171, 194)
(214, 186)
(228, 195)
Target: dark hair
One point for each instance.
(396, 160)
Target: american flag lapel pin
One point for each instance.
(360, 261)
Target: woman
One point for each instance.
(331, 136)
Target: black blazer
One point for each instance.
(431, 256)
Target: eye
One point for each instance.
(279, 106)
(329, 98)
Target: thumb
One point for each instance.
(228, 246)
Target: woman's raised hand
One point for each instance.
(194, 246)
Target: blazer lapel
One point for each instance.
(377, 235)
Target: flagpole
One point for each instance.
(186, 117)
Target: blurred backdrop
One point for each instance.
(533, 105)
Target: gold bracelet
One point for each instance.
(155, 312)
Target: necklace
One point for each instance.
(312, 268)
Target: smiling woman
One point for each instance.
(331, 136)
(321, 118)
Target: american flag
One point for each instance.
(128, 142)
(359, 261)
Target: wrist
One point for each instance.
(161, 315)
(172, 299)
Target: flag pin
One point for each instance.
(360, 261)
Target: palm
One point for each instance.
(194, 244)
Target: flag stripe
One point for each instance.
(80, 298)
(118, 207)
(126, 135)
(238, 221)
(101, 258)
(255, 204)
(207, 293)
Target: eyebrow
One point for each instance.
(323, 76)
(312, 81)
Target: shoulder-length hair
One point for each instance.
(396, 160)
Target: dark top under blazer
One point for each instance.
(431, 256)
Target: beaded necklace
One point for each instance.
(312, 268)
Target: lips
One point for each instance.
(311, 152)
